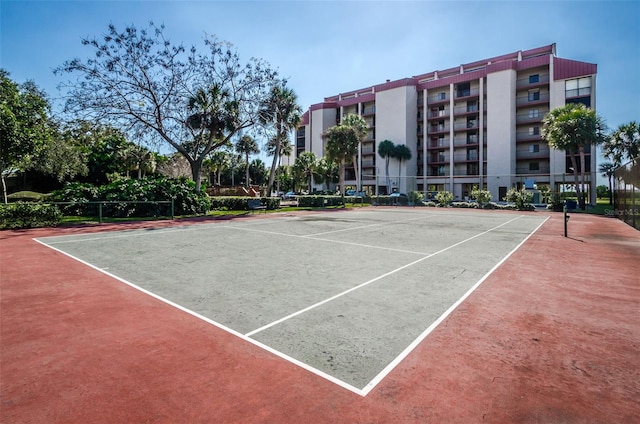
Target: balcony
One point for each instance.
(542, 170)
(522, 136)
(529, 118)
(530, 100)
(528, 155)
(435, 129)
(465, 94)
(370, 110)
(438, 98)
(439, 144)
(438, 114)
(437, 159)
(532, 82)
(463, 126)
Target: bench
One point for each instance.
(256, 205)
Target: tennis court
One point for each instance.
(345, 295)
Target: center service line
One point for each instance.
(366, 283)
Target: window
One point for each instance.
(578, 87)
(534, 95)
(534, 130)
(472, 169)
(471, 123)
(442, 96)
(534, 78)
(534, 166)
(472, 138)
(534, 113)
(472, 106)
(534, 148)
(464, 89)
(472, 154)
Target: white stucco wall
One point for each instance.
(396, 120)
(501, 130)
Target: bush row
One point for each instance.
(149, 189)
(29, 215)
(241, 203)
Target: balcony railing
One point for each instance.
(469, 125)
(437, 98)
(438, 128)
(543, 169)
(526, 82)
(467, 93)
(439, 114)
(439, 159)
(529, 100)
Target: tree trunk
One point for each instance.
(196, 168)
(357, 171)
(575, 176)
(247, 172)
(582, 199)
(4, 190)
(386, 168)
(342, 166)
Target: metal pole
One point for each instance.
(172, 209)
(566, 218)
(100, 212)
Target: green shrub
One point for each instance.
(324, 201)
(149, 189)
(416, 197)
(481, 196)
(444, 198)
(241, 203)
(29, 215)
(26, 196)
(521, 198)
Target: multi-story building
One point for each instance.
(478, 124)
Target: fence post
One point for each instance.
(100, 212)
(172, 209)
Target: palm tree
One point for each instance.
(401, 152)
(623, 144)
(282, 110)
(360, 127)
(386, 150)
(607, 169)
(247, 146)
(218, 162)
(214, 115)
(327, 172)
(341, 144)
(305, 166)
(570, 128)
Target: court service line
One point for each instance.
(327, 240)
(377, 224)
(373, 280)
(382, 374)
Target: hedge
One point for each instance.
(29, 215)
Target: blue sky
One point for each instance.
(329, 47)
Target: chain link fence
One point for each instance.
(626, 193)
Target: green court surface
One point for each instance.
(346, 295)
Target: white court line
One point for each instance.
(217, 324)
(372, 384)
(377, 379)
(377, 224)
(328, 240)
(366, 283)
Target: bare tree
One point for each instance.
(165, 93)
